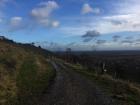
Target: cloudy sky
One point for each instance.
(78, 24)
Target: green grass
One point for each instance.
(123, 91)
(30, 83)
(27, 82)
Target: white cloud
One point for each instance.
(106, 24)
(127, 18)
(129, 7)
(55, 23)
(88, 9)
(128, 22)
(74, 30)
(16, 23)
(44, 10)
(42, 13)
(44, 22)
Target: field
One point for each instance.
(120, 64)
(121, 86)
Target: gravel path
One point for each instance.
(71, 88)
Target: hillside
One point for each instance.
(24, 73)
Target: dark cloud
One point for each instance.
(90, 35)
(115, 22)
(118, 22)
(136, 25)
(99, 42)
(87, 39)
(116, 38)
(71, 44)
(129, 38)
(127, 41)
(137, 40)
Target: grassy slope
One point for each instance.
(124, 92)
(24, 75)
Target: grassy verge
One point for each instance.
(31, 82)
(124, 92)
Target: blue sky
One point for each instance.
(78, 24)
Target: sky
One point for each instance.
(76, 24)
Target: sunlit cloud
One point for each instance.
(86, 9)
(43, 12)
(16, 23)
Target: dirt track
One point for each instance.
(71, 88)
